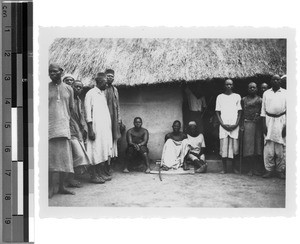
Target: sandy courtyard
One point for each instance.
(138, 189)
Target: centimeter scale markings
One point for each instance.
(17, 89)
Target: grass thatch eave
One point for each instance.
(154, 61)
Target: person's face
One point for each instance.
(69, 81)
(110, 78)
(55, 74)
(264, 87)
(276, 82)
(176, 127)
(137, 123)
(101, 83)
(77, 87)
(193, 128)
(252, 88)
(228, 85)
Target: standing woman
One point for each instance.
(61, 102)
(252, 146)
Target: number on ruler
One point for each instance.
(4, 11)
(7, 221)
(7, 54)
(7, 149)
(7, 125)
(7, 197)
(7, 101)
(8, 172)
(6, 77)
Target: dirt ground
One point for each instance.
(138, 189)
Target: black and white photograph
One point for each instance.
(167, 122)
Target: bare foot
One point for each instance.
(250, 173)
(65, 191)
(126, 171)
(223, 172)
(74, 183)
(147, 171)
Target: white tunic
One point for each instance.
(229, 105)
(97, 112)
(274, 103)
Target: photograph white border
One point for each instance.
(47, 36)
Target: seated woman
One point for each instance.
(196, 145)
(175, 148)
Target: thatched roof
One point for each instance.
(153, 61)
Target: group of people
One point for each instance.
(252, 127)
(83, 135)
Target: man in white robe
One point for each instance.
(99, 142)
(274, 125)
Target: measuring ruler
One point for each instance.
(17, 111)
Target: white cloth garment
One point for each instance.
(97, 112)
(229, 105)
(173, 153)
(195, 144)
(274, 103)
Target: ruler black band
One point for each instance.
(17, 90)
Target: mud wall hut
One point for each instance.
(150, 72)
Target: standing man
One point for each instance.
(99, 142)
(228, 110)
(61, 105)
(137, 139)
(274, 127)
(78, 135)
(112, 98)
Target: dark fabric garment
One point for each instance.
(112, 99)
(252, 138)
(77, 121)
(131, 152)
(251, 107)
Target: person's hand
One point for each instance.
(233, 127)
(225, 127)
(230, 127)
(135, 146)
(283, 133)
(92, 135)
(138, 147)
